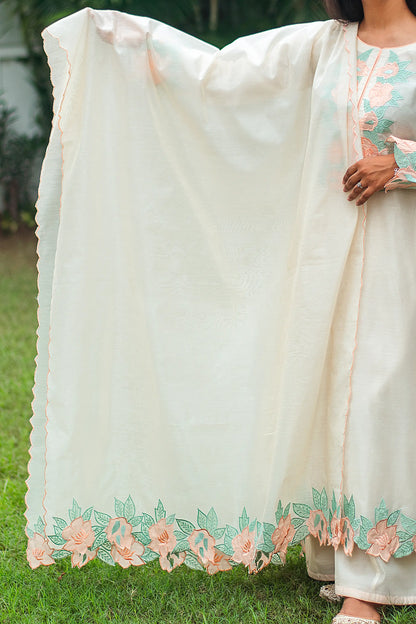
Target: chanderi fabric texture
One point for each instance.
(226, 355)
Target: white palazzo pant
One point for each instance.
(363, 576)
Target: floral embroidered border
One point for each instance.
(129, 539)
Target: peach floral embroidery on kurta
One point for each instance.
(362, 69)
(383, 539)
(380, 94)
(38, 551)
(257, 565)
(388, 70)
(163, 539)
(369, 121)
(282, 536)
(244, 547)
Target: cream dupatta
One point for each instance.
(200, 274)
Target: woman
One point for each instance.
(386, 52)
(219, 327)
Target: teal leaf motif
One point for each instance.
(334, 503)
(149, 555)
(212, 521)
(60, 554)
(105, 556)
(393, 518)
(218, 534)
(129, 509)
(408, 524)
(381, 512)
(40, 526)
(181, 546)
(324, 503)
(300, 534)
(142, 537)
(244, 520)
(87, 514)
(286, 511)
(252, 525)
(279, 512)
(61, 523)
(192, 562)
(160, 511)
(116, 527)
(99, 541)
(170, 519)
(58, 541)
(316, 498)
(119, 508)
(297, 522)
(147, 520)
(201, 519)
(301, 510)
(102, 518)
(75, 511)
(136, 521)
(404, 550)
(403, 536)
(231, 531)
(185, 526)
(30, 532)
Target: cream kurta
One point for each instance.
(207, 321)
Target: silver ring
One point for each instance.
(359, 185)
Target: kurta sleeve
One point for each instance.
(405, 155)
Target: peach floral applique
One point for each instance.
(282, 536)
(79, 536)
(220, 563)
(38, 551)
(318, 526)
(119, 532)
(347, 536)
(362, 69)
(129, 553)
(163, 538)
(202, 544)
(244, 547)
(172, 561)
(383, 539)
(261, 561)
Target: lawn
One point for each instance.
(100, 593)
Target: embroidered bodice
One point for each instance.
(386, 94)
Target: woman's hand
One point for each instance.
(372, 172)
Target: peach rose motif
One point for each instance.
(244, 547)
(388, 71)
(254, 567)
(383, 539)
(202, 544)
(282, 536)
(318, 526)
(336, 531)
(362, 69)
(221, 563)
(368, 122)
(80, 559)
(38, 551)
(347, 536)
(163, 539)
(380, 94)
(404, 145)
(129, 553)
(119, 531)
(172, 561)
(79, 537)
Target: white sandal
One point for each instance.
(327, 592)
(348, 619)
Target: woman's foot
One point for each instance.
(360, 609)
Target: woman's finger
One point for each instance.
(353, 180)
(350, 171)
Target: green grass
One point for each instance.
(99, 593)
